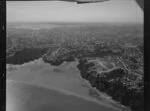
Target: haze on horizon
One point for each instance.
(113, 11)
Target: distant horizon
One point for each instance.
(74, 23)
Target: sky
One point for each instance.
(114, 11)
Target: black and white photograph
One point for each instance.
(75, 55)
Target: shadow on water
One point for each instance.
(26, 55)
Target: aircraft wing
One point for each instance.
(139, 2)
(77, 1)
(90, 1)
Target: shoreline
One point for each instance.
(98, 98)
